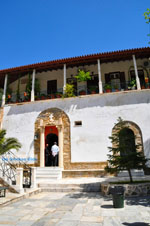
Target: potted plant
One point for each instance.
(82, 92)
(92, 89)
(107, 88)
(26, 97)
(132, 84)
(51, 96)
(69, 90)
(43, 96)
(58, 95)
(146, 79)
(8, 98)
(82, 77)
(116, 87)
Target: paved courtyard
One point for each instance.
(71, 209)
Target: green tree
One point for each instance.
(147, 18)
(6, 144)
(124, 153)
(83, 76)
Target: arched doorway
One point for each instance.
(52, 121)
(51, 136)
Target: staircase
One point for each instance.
(49, 179)
(47, 174)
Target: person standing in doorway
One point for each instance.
(47, 154)
(55, 152)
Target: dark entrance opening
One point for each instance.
(50, 139)
(126, 141)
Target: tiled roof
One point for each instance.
(104, 57)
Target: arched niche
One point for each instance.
(136, 131)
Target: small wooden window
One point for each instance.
(78, 123)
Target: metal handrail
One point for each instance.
(10, 170)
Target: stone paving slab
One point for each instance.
(13, 197)
(75, 209)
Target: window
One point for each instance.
(78, 123)
(116, 79)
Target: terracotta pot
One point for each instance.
(52, 96)
(108, 91)
(93, 92)
(58, 96)
(82, 93)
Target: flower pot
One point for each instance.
(52, 96)
(108, 90)
(58, 96)
(82, 93)
(93, 92)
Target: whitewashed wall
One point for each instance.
(98, 114)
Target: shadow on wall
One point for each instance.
(147, 151)
(66, 104)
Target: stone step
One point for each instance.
(93, 187)
(48, 168)
(70, 189)
(45, 189)
(48, 173)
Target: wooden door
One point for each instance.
(51, 86)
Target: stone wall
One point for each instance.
(139, 189)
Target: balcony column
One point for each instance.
(136, 74)
(33, 82)
(4, 91)
(99, 77)
(64, 87)
(42, 155)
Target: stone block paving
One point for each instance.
(75, 209)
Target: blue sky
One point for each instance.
(34, 31)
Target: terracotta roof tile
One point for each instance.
(114, 55)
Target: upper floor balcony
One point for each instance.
(109, 72)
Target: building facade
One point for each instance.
(81, 124)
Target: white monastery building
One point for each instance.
(35, 111)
